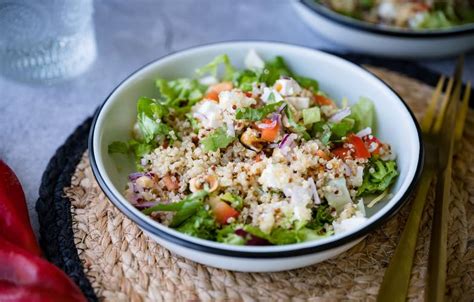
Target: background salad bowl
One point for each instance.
(339, 78)
(384, 40)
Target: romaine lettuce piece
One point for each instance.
(216, 140)
(378, 176)
(363, 114)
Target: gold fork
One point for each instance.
(438, 127)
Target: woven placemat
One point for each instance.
(120, 263)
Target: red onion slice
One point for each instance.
(135, 176)
(287, 143)
(340, 115)
(364, 132)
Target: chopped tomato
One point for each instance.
(214, 90)
(341, 152)
(212, 95)
(222, 211)
(269, 134)
(360, 150)
(223, 86)
(321, 100)
(323, 155)
(369, 140)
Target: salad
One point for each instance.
(259, 156)
(412, 14)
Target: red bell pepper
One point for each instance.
(22, 271)
(14, 221)
(12, 292)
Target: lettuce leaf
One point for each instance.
(280, 235)
(216, 140)
(382, 176)
(321, 215)
(244, 79)
(227, 235)
(307, 83)
(277, 68)
(257, 114)
(235, 201)
(152, 128)
(363, 114)
(311, 115)
(180, 94)
(274, 69)
(213, 67)
(295, 127)
(202, 225)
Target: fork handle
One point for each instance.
(396, 280)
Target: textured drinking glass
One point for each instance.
(47, 40)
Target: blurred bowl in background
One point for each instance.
(384, 41)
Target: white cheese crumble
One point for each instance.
(300, 197)
(275, 176)
(266, 222)
(231, 100)
(209, 114)
(271, 95)
(299, 103)
(287, 87)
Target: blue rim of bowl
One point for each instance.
(386, 31)
(142, 223)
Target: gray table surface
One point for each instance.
(35, 120)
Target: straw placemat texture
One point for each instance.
(123, 264)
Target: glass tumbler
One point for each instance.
(47, 40)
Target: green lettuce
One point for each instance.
(202, 225)
(311, 115)
(276, 68)
(257, 114)
(244, 79)
(378, 176)
(235, 201)
(363, 114)
(216, 140)
(152, 128)
(180, 94)
(213, 68)
(294, 126)
(281, 235)
(321, 216)
(227, 235)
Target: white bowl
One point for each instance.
(396, 124)
(384, 41)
